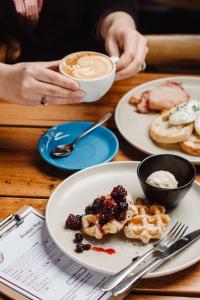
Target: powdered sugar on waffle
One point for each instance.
(148, 223)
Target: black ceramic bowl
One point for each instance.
(181, 168)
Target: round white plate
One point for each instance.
(80, 189)
(135, 126)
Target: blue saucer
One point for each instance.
(97, 147)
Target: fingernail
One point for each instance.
(75, 86)
(114, 59)
(81, 94)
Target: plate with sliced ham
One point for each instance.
(137, 110)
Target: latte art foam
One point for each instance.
(88, 66)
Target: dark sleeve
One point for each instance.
(100, 8)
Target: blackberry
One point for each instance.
(88, 210)
(78, 238)
(97, 205)
(112, 213)
(98, 202)
(79, 248)
(120, 216)
(73, 222)
(104, 210)
(123, 206)
(87, 247)
(119, 193)
(103, 219)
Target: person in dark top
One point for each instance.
(48, 30)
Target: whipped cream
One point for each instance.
(162, 179)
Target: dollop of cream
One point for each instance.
(185, 113)
(162, 179)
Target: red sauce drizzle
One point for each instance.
(109, 251)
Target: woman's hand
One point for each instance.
(123, 40)
(27, 83)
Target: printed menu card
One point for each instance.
(32, 265)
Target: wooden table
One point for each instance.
(27, 180)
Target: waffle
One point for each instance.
(91, 226)
(148, 223)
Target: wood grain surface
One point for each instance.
(27, 180)
(50, 115)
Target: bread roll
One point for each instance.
(192, 145)
(161, 131)
(197, 126)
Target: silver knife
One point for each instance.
(177, 247)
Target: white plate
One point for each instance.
(80, 189)
(135, 126)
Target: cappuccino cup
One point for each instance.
(95, 72)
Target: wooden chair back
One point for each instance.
(174, 50)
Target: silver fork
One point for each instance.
(169, 238)
(134, 279)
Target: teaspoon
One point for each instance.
(65, 150)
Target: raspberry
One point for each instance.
(87, 247)
(73, 222)
(119, 193)
(78, 238)
(109, 203)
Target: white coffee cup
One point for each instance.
(94, 88)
